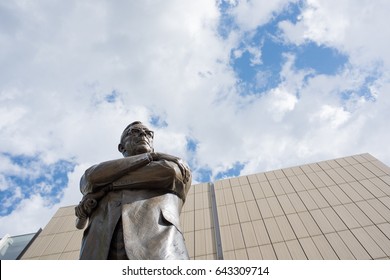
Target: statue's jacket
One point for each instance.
(149, 200)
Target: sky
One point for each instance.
(232, 87)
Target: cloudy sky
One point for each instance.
(233, 87)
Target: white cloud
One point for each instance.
(60, 60)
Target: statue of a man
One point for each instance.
(133, 203)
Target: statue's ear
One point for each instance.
(121, 149)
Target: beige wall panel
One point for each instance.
(69, 224)
(261, 177)
(199, 220)
(229, 255)
(382, 166)
(372, 188)
(344, 174)
(286, 185)
(379, 207)
(297, 225)
(189, 205)
(315, 167)
(307, 200)
(334, 219)
(200, 244)
(353, 245)
(335, 176)
(265, 210)
(219, 197)
(346, 217)
(374, 169)
(360, 158)
(296, 202)
(227, 192)
(223, 216)
(384, 187)
(243, 180)
(285, 228)
(296, 250)
(252, 178)
(209, 241)
(198, 201)
(42, 244)
(232, 214)
(58, 243)
(310, 249)
(207, 214)
(273, 230)
(277, 187)
(324, 247)
(374, 216)
(254, 253)
(284, 201)
(297, 185)
(241, 254)
(234, 182)
(351, 160)
(253, 210)
(310, 225)
(318, 198)
(270, 175)
(73, 255)
(377, 235)
(267, 190)
(50, 257)
(281, 251)
(385, 228)
(368, 243)
(354, 172)
(243, 214)
(74, 243)
(257, 191)
(358, 214)
(206, 199)
(238, 240)
(325, 178)
(279, 174)
(329, 196)
(249, 235)
(297, 170)
(288, 172)
(342, 161)
(307, 184)
(352, 193)
(366, 173)
(339, 246)
(189, 221)
(237, 194)
(190, 243)
(316, 180)
(340, 194)
(386, 201)
(261, 232)
(363, 192)
(267, 252)
(306, 168)
(247, 192)
(226, 238)
(324, 165)
(53, 225)
(275, 206)
(333, 163)
(322, 221)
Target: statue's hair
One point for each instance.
(127, 127)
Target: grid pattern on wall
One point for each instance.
(335, 209)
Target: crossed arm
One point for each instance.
(105, 173)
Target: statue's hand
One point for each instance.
(184, 169)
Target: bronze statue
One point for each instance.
(133, 204)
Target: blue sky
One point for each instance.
(233, 87)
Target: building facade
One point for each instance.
(334, 209)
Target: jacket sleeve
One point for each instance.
(107, 172)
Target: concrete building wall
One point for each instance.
(335, 209)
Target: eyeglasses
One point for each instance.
(138, 131)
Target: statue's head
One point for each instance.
(136, 139)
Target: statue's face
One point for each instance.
(138, 140)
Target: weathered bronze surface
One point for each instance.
(133, 204)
